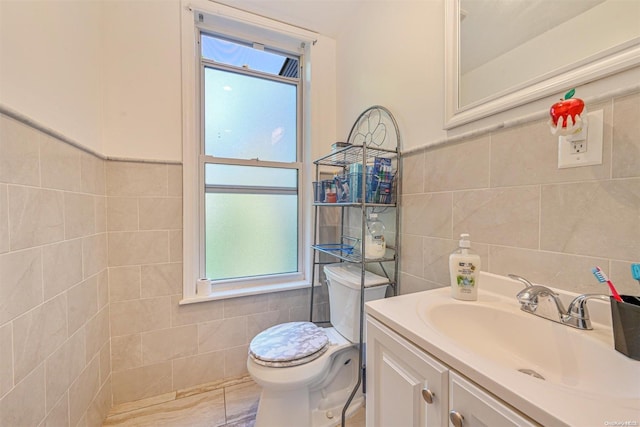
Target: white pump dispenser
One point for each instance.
(464, 271)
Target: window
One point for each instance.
(246, 225)
(250, 119)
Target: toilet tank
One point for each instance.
(344, 283)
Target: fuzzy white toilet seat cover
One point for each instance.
(288, 344)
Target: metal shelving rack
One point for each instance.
(374, 134)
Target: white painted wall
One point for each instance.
(107, 74)
(142, 87)
(322, 97)
(392, 55)
(50, 65)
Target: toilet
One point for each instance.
(308, 372)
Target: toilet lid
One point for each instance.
(288, 344)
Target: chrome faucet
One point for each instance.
(544, 302)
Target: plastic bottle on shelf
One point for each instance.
(375, 245)
(332, 195)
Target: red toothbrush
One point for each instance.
(602, 278)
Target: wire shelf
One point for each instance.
(374, 143)
(353, 154)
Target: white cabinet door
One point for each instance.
(401, 381)
(479, 409)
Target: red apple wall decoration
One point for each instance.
(564, 112)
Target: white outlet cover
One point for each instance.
(593, 155)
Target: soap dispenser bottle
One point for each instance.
(464, 270)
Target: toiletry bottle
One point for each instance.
(332, 196)
(464, 270)
(375, 245)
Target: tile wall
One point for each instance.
(90, 280)
(90, 253)
(157, 345)
(525, 215)
(55, 366)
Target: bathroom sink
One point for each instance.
(553, 373)
(544, 350)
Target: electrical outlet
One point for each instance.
(578, 147)
(573, 152)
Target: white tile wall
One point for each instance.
(157, 345)
(525, 215)
(54, 312)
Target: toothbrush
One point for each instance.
(602, 278)
(635, 271)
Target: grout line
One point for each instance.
(612, 134)
(539, 217)
(224, 404)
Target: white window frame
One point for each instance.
(219, 19)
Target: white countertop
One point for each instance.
(547, 402)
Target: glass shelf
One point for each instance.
(355, 204)
(354, 255)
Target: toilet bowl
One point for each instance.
(307, 372)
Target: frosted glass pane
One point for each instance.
(250, 235)
(216, 174)
(247, 117)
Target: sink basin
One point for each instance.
(495, 329)
(555, 374)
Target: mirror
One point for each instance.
(505, 53)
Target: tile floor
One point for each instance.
(232, 404)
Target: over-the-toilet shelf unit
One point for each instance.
(374, 135)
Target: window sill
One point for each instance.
(222, 292)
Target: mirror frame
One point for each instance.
(611, 61)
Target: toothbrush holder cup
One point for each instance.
(625, 318)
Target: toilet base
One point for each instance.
(333, 416)
(316, 405)
(298, 409)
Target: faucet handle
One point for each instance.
(578, 307)
(520, 279)
(541, 301)
(578, 315)
(530, 294)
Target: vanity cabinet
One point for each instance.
(408, 387)
(405, 386)
(477, 408)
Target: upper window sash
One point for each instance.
(220, 81)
